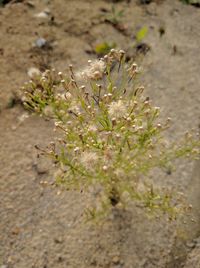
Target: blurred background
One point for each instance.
(41, 226)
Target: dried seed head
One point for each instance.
(33, 72)
(105, 168)
(76, 149)
(48, 111)
(117, 109)
(82, 87)
(169, 120)
(118, 135)
(57, 124)
(114, 121)
(141, 128)
(92, 128)
(94, 71)
(89, 107)
(89, 159)
(122, 52)
(97, 75)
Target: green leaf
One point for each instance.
(140, 35)
(104, 48)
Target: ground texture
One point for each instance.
(41, 227)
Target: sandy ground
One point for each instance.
(43, 228)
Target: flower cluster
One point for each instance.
(112, 135)
(94, 71)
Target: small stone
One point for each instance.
(60, 259)
(13, 127)
(30, 4)
(41, 169)
(40, 42)
(58, 240)
(15, 231)
(197, 240)
(116, 260)
(191, 244)
(43, 15)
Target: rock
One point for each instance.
(43, 15)
(191, 245)
(40, 42)
(197, 241)
(116, 260)
(30, 4)
(58, 240)
(15, 231)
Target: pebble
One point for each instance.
(40, 42)
(30, 4)
(197, 241)
(15, 230)
(43, 15)
(58, 240)
(13, 127)
(116, 260)
(191, 245)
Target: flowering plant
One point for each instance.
(111, 136)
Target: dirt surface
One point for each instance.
(42, 227)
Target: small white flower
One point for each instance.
(74, 108)
(105, 168)
(89, 159)
(117, 109)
